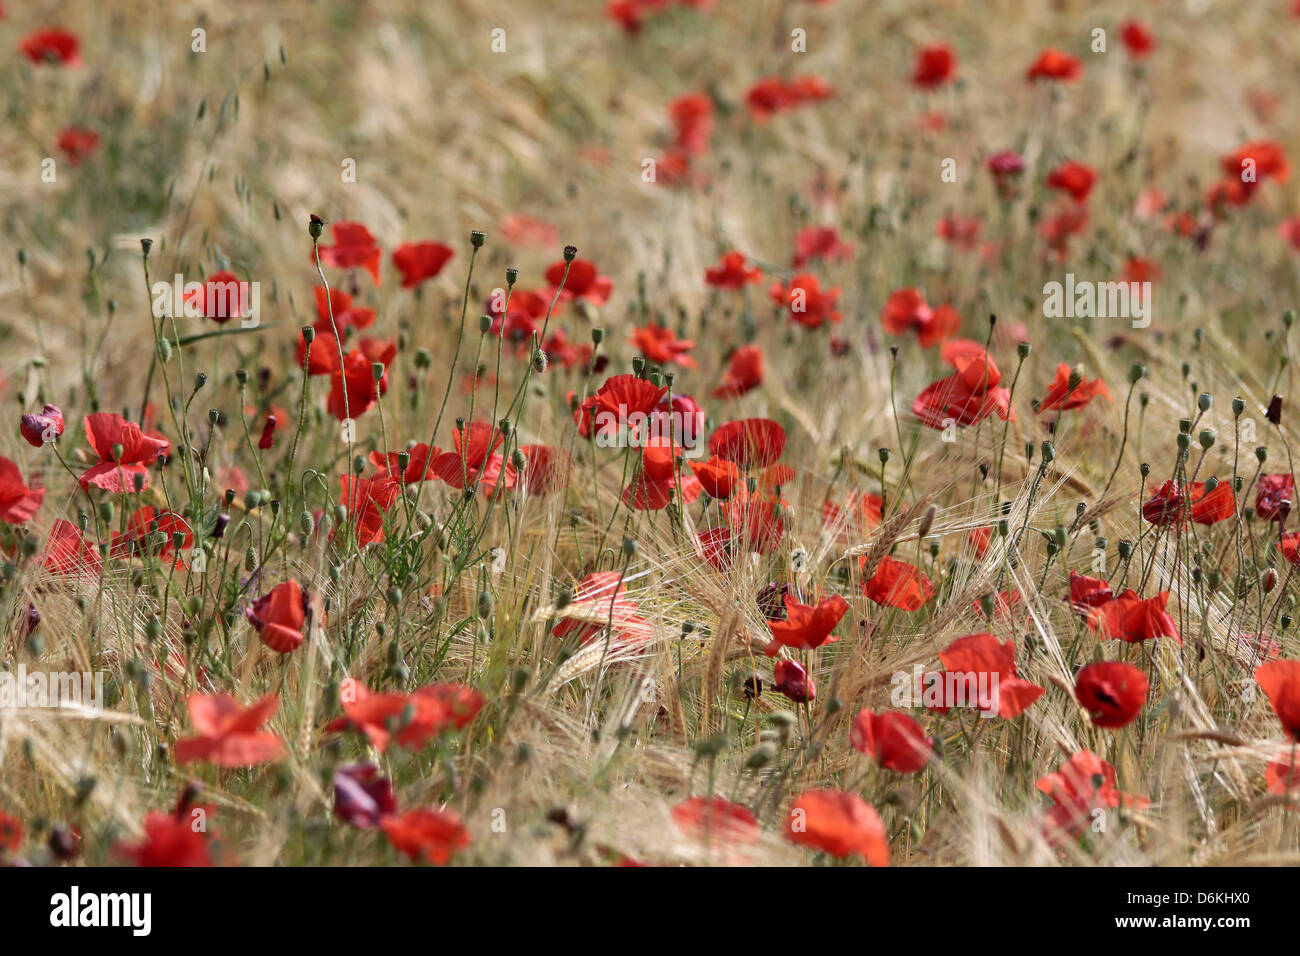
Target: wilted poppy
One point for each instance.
(1275, 497)
(18, 503)
(38, 428)
(362, 797)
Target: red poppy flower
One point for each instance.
(714, 819)
(979, 539)
(982, 654)
(1006, 163)
(692, 116)
(1052, 64)
(661, 345)
(546, 470)
(791, 679)
(860, 513)
(1137, 38)
(962, 233)
(170, 839)
(353, 390)
(229, 734)
(821, 243)
(1061, 397)
(648, 494)
(968, 396)
(1074, 178)
(366, 501)
(583, 281)
(1131, 619)
(409, 720)
(1283, 777)
(52, 45)
(744, 373)
(417, 465)
(807, 626)
(18, 503)
(146, 522)
(1087, 593)
(893, 739)
(418, 261)
(77, 144)
(839, 823)
(221, 297)
(757, 521)
(121, 447)
(560, 350)
(1112, 692)
(429, 835)
(598, 604)
(354, 247)
(278, 616)
(748, 442)
(897, 584)
(809, 305)
(714, 548)
(1289, 546)
(11, 834)
(523, 230)
(69, 552)
(476, 460)
(907, 311)
(1276, 496)
(732, 272)
(935, 66)
(1167, 507)
(362, 797)
(718, 477)
(1003, 603)
(1289, 230)
(1085, 783)
(772, 95)
(1280, 680)
(622, 400)
(1267, 158)
(40, 428)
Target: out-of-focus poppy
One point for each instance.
(354, 247)
(418, 261)
(893, 739)
(839, 823)
(229, 735)
(429, 835)
(897, 584)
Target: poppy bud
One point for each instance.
(305, 523)
(250, 560)
(393, 596)
(986, 605)
(1285, 621)
(1268, 581)
(1238, 406)
(484, 324)
(1204, 401)
(377, 370)
(1184, 442)
(629, 547)
(1274, 414)
(1023, 349)
(145, 246)
(485, 604)
(597, 336)
(1049, 451)
(223, 519)
(41, 428)
(1206, 438)
(1210, 484)
(477, 238)
(138, 480)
